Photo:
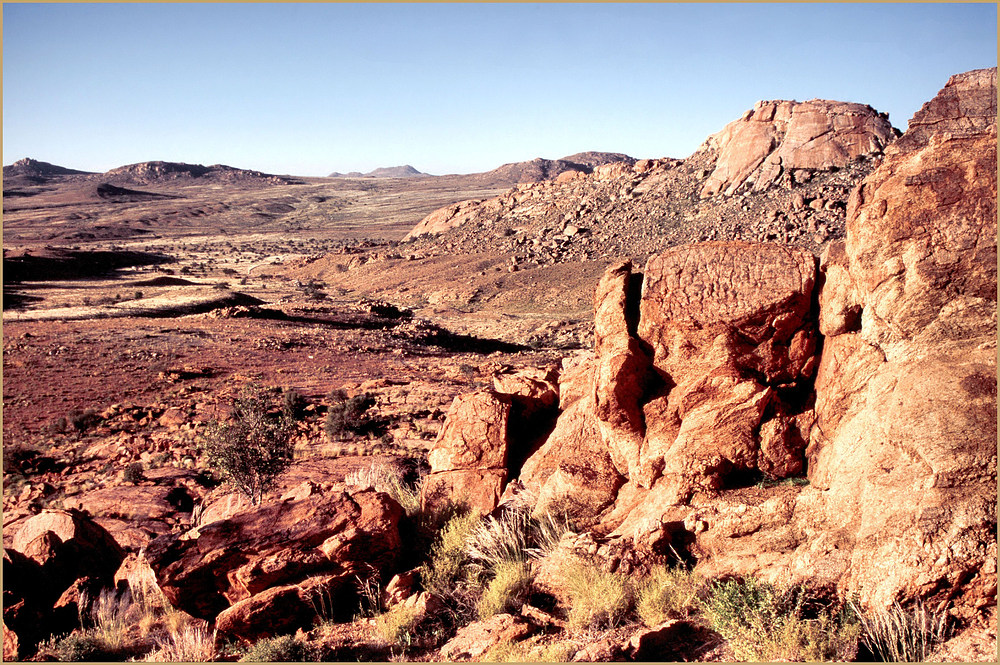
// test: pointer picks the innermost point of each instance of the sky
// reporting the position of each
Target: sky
(307, 89)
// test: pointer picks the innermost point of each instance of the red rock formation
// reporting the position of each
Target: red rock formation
(720, 374)
(779, 137)
(240, 569)
(54, 555)
(469, 458)
(905, 443)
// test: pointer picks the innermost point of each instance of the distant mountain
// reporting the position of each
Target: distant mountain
(405, 171)
(36, 169)
(151, 172)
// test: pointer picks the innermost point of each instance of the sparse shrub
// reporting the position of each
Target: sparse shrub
(598, 599)
(668, 594)
(253, 449)
(763, 622)
(83, 647)
(443, 571)
(79, 421)
(293, 404)
(347, 414)
(282, 649)
(508, 589)
(134, 473)
(396, 627)
(896, 635)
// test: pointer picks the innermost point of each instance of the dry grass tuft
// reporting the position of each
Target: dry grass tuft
(508, 589)
(384, 478)
(669, 593)
(896, 635)
(598, 599)
(191, 644)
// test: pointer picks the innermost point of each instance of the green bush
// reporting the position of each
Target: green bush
(668, 594)
(282, 649)
(133, 473)
(84, 647)
(598, 599)
(253, 449)
(508, 589)
(293, 404)
(347, 414)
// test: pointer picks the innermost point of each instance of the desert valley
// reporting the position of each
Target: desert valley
(734, 406)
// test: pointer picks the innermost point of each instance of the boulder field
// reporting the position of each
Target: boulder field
(867, 378)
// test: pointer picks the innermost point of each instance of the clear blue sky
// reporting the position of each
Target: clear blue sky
(312, 88)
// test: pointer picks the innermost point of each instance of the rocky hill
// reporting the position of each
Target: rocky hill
(783, 171)
(145, 173)
(35, 168)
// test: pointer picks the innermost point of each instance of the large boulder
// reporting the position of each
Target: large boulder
(469, 458)
(733, 342)
(248, 559)
(778, 137)
(68, 546)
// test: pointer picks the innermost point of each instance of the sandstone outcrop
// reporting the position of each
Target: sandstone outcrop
(775, 138)
(488, 432)
(733, 344)
(68, 546)
(905, 447)
(244, 571)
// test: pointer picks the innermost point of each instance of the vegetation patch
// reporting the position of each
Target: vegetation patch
(598, 599)
(254, 448)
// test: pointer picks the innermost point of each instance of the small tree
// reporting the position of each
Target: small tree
(255, 447)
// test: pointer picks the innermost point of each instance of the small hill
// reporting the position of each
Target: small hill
(540, 169)
(110, 192)
(33, 167)
(153, 172)
(404, 171)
